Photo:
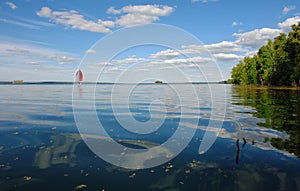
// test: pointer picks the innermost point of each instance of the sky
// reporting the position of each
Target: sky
(49, 40)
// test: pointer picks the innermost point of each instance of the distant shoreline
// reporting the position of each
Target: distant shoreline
(258, 87)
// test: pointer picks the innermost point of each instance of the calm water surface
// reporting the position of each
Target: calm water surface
(256, 149)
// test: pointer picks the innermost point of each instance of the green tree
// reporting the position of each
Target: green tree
(276, 63)
(283, 69)
(293, 49)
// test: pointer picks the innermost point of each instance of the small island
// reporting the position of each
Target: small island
(18, 82)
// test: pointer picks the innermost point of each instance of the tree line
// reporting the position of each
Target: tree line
(277, 63)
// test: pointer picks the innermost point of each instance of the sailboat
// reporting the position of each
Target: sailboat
(79, 77)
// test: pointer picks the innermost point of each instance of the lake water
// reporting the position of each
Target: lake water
(257, 147)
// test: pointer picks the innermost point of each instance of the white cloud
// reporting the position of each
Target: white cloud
(235, 23)
(191, 61)
(140, 14)
(257, 37)
(128, 60)
(221, 47)
(76, 21)
(225, 51)
(127, 16)
(133, 19)
(222, 57)
(60, 58)
(120, 62)
(288, 9)
(90, 51)
(225, 47)
(151, 10)
(11, 5)
(165, 54)
(112, 10)
(286, 25)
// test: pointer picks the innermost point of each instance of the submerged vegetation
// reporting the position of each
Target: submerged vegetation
(277, 63)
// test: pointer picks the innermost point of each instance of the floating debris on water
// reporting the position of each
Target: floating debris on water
(133, 175)
(152, 171)
(193, 165)
(65, 175)
(123, 153)
(27, 178)
(169, 166)
(220, 170)
(80, 186)
(53, 128)
(181, 182)
(16, 133)
(187, 171)
(1, 147)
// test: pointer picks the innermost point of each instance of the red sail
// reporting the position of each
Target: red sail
(79, 76)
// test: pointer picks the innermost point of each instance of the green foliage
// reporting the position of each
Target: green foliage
(277, 63)
(281, 110)
(266, 139)
(278, 143)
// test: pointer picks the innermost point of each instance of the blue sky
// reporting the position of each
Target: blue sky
(46, 40)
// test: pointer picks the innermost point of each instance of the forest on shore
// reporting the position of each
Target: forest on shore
(275, 64)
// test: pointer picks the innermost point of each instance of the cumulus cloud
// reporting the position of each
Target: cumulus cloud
(127, 16)
(221, 47)
(257, 37)
(246, 44)
(165, 54)
(60, 58)
(191, 61)
(76, 21)
(288, 9)
(225, 51)
(286, 25)
(128, 60)
(133, 19)
(151, 10)
(222, 57)
(225, 47)
(140, 14)
(11, 5)
(112, 10)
